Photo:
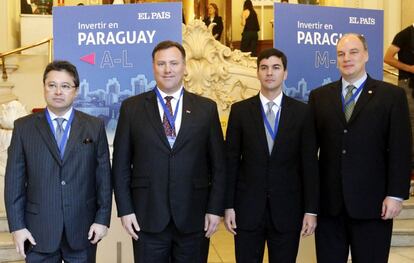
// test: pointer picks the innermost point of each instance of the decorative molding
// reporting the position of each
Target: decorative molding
(215, 71)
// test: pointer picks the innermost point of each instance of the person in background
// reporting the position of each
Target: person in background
(213, 17)
(403, 46)
(364, 139)
(58, 190)
(250, 25)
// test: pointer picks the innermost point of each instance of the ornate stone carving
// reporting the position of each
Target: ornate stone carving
(216, 72)
(8, 113)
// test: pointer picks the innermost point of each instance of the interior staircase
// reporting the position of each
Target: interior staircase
(403, 231)
(7, 250)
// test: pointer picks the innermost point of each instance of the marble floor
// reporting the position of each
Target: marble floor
(222, 250)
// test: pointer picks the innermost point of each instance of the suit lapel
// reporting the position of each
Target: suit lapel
(151, 107)
(285, 117)
(367, 93)
(188, 111)
(336, 99)
(44, 129)
(76, 131)
(258, 122)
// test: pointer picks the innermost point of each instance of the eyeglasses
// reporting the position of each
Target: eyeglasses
(64, 86)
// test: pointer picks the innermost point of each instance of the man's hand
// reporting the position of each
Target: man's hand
(19, 237)
(390, 208)
(211, 223)
(308, 225)
(130, 224)
(97, 232)
(230, 220)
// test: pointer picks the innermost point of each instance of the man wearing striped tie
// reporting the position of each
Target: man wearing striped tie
(364, 139)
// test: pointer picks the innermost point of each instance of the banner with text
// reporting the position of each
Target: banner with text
(308, 36)
(111, 46)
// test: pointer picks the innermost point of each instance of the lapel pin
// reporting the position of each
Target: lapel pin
(187, 111)
(369, 91)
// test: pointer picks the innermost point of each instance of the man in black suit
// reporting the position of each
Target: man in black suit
(168, 165)
(58, 185)
(272, 169)
(364, 138)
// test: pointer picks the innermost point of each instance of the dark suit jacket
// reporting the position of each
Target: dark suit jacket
(362, 161)
(46, 194)
(158, 183)
(218, 28)
(288, 178)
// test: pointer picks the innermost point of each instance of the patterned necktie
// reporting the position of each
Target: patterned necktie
(169, 131)
(59, 130)
(271, 117)
(350, 106)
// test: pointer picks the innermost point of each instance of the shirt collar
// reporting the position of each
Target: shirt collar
(277, 100)
(357, 83)
(176, 94)
(66, 116)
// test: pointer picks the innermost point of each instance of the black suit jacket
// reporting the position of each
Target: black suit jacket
(158, 183)
(48, 195)
(287, 179)
(362, 161)
(218, 28)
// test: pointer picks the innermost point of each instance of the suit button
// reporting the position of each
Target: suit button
(343, 151)
(345, 131)
(63, 183)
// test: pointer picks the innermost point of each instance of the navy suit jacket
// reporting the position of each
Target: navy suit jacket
(367, 158)
(158, 183)
(49, 195)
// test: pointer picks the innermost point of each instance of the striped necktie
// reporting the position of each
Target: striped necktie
(349, 108)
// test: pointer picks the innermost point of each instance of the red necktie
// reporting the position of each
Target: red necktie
(169, 131)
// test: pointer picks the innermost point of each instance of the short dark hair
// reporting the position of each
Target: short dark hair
(168, 44)
(267, 53)
(62, 65)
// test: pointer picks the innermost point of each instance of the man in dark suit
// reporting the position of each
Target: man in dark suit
(364, 138)
(272, 169)
(168, 165)
(58, 185)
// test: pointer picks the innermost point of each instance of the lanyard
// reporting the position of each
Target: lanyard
(63, 142)
(171, 119)
(357, 92)
(272, 132)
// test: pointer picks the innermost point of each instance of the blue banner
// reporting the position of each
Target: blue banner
(308, 35)
(111, 46)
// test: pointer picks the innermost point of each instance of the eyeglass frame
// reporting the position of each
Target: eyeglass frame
(66, 87)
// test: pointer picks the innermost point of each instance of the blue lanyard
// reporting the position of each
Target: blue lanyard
(63, 142)
(357, 92)
(272, 132)
(171, 119)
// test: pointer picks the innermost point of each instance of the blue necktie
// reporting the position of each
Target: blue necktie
(271, 118)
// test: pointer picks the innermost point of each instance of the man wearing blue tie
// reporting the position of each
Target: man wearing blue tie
(272, 190)
(58, 186)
